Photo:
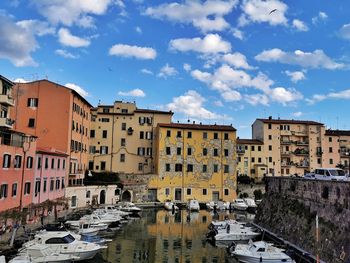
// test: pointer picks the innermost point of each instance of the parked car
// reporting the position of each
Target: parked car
(335, 174)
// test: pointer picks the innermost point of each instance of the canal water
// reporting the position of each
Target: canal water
(160, 236)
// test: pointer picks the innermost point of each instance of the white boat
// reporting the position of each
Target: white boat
(94, 220)
(193, 205)
(239, 204)
(21, 259)
(235, 232)
(112, 209)
(223, 223)
(88, 229)
(168, 205)
(130, 208)
(210, 205)
(250, 203)
(63, 242)
(259, 251)
(219, 205)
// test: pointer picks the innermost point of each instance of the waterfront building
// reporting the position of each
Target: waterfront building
(59, 117)
(336, 152)
(292, 146)
(194, 161)
(17, 153)
(252, 159)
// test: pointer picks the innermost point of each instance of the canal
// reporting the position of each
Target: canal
(160, 236)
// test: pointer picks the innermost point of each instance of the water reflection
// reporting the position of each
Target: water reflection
(160, 236)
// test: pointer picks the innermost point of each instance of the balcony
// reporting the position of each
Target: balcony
(302, 143)
(299, 133)
(240, 151)
(7, 100)
(285, 153)
(6, 122)
(301, 152)
(284, 142)
(286, 164)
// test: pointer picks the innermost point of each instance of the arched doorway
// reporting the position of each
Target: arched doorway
(102, 197)
(126, 196)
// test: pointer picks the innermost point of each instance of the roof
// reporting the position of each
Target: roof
(249, 141)
(54, 83)
(153, 111)
(197, 126)
(7, 80)
(51, 151)
(280, 121)
(337, 133)
(131, 113)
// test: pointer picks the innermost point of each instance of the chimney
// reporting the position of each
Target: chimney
(270, 117)
(194, 122)
(188, 121)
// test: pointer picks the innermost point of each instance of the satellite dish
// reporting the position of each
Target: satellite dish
(90, 174)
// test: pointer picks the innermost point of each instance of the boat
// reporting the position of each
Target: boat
(168, 205)
(21, 259)
(63, 242)
(193, 205)
(234, 232)
(239, 204)
(210, 205)
(130, 208)
(219, 205)
(222, 224)
(94, 221)
(87, 229)
(251, 204)
(259, 251)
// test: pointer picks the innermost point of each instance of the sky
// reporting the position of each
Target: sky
(223, 62)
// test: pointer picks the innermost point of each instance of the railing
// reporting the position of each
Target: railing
(240, 151)
(6, 122)
(6, 99)
(302, 143)
(286, 142)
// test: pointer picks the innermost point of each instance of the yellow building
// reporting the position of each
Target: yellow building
(292, 146)
(122, 138)
(336, 150)
(195, 161)
(252, 159)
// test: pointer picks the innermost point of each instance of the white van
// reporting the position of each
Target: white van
(335, 174)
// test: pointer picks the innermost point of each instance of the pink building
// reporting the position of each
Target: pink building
(50, 173)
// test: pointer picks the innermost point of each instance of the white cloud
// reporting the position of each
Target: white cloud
(256, 99)
(191, 105)
(167, 71)
(237, 33)
(231, 95)
(73, 11)
(322, 16)
(343, 94)
(187, 67)
(316, 98)
(138, 30)
(67, 39)
(218, 103)
(300, 25)
(133, 93)
(206, 16)
(258, 11)
(316, 59)
(237, 60)
(20, 80)
(17, 42)
(146, 71)
(210, 44)
(297, 114)
(295, 76)
(65, 53)
(344, 32)
(78, 89)
(122, 50)
(284, 96)
(37, 27)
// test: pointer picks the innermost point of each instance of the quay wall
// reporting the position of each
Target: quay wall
(289, 209)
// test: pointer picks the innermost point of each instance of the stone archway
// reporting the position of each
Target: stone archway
(126, 196)
(102, 197)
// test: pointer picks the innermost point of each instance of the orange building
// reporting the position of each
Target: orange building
(59, 117)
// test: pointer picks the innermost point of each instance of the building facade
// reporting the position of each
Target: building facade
(122, 138)
(336, 152)
(194, 161)
(292, 146)
(62, 123)
(251, 159)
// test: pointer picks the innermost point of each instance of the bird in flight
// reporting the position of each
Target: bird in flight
(274, 10)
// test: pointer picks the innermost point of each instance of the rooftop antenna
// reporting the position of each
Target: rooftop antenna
(337, 122)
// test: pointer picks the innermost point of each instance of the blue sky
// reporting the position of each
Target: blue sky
(225, 62)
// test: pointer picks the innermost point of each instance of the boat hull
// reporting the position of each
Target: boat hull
(251, 259)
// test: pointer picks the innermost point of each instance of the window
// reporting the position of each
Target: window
(141, 120)
(189, 191)
(52, 163)
(140, 167)
(167, 191)
(52, 184)
(205, 135)
(270, 147)
(45, 185)
(204, 168)
(168, 133)
(205, 151)
(29, 164)
(58, 164)
(149, 151)
(226, 152)
(123, 126)
(259, 160)
(37, 187)
(178, 150)
(103, 149)
(14, 189)
(104, 119)
(103, 165)
(18, 161)
(318, 160)
(330, 149)
(215, 152)
(122, 157)
(39, 162)
(32, 102)
(270, 137)
(178, 167)
(226, 192)
(252, 148)
(74, 201)
(269, 126)
(92, 133)
(330, 139)
(215, 168)
(31, 123)
(88, 194)
(189, 134)
(149, 135)
(167, 167)
(189, 151)
(62, 182)
(178, 134)
(46, 163)
(141, 151)
(189, 167)
(3, 191)
(142, 135)
(167, 150)
(64, 164)
(27, 188)
(104, 134)
(259, 148)
(124, 110)
(226, 168)
(205, 191)
(92, 149)
(216, 136)
(270, 159)
(239, 159)
(6, 162)
(122, 142)
(253, 159)
(330, 161)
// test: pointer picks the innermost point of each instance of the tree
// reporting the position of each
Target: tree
(258, 194)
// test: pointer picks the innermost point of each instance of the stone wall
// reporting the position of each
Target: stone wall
(290, 207)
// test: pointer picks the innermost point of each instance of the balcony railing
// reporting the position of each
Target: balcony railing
(302, 143)
(286, 142)
(240, 151)
(7, 100)
(284, 153)
(6, 122)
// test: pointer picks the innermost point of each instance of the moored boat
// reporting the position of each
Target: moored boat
(193, 205)
(169, 205)
(239, 204)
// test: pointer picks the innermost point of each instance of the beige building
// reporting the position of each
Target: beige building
(122, 138)
(336, 151)
(252, 159)
(292, 146)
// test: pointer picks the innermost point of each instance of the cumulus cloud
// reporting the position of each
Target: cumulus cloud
(256, 99)
(344, 32)
(295, 76)
(67, 39)
(78, 89)
(315, 59)
(20, 80)
(300, 25)
(132, 93)
(343, 94)
(167, 71)
(237, 60)
(237, 33)
(65, 53)
(210, 44)
(191, 105)
(297, 114)
(206, 16)
(218, 103)
(122, 50)
(17, 42)
(138, 30)
(284, 96)
(146, 71)
(322, 16)
(37, 27)
(258, 11)
(187, 67)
